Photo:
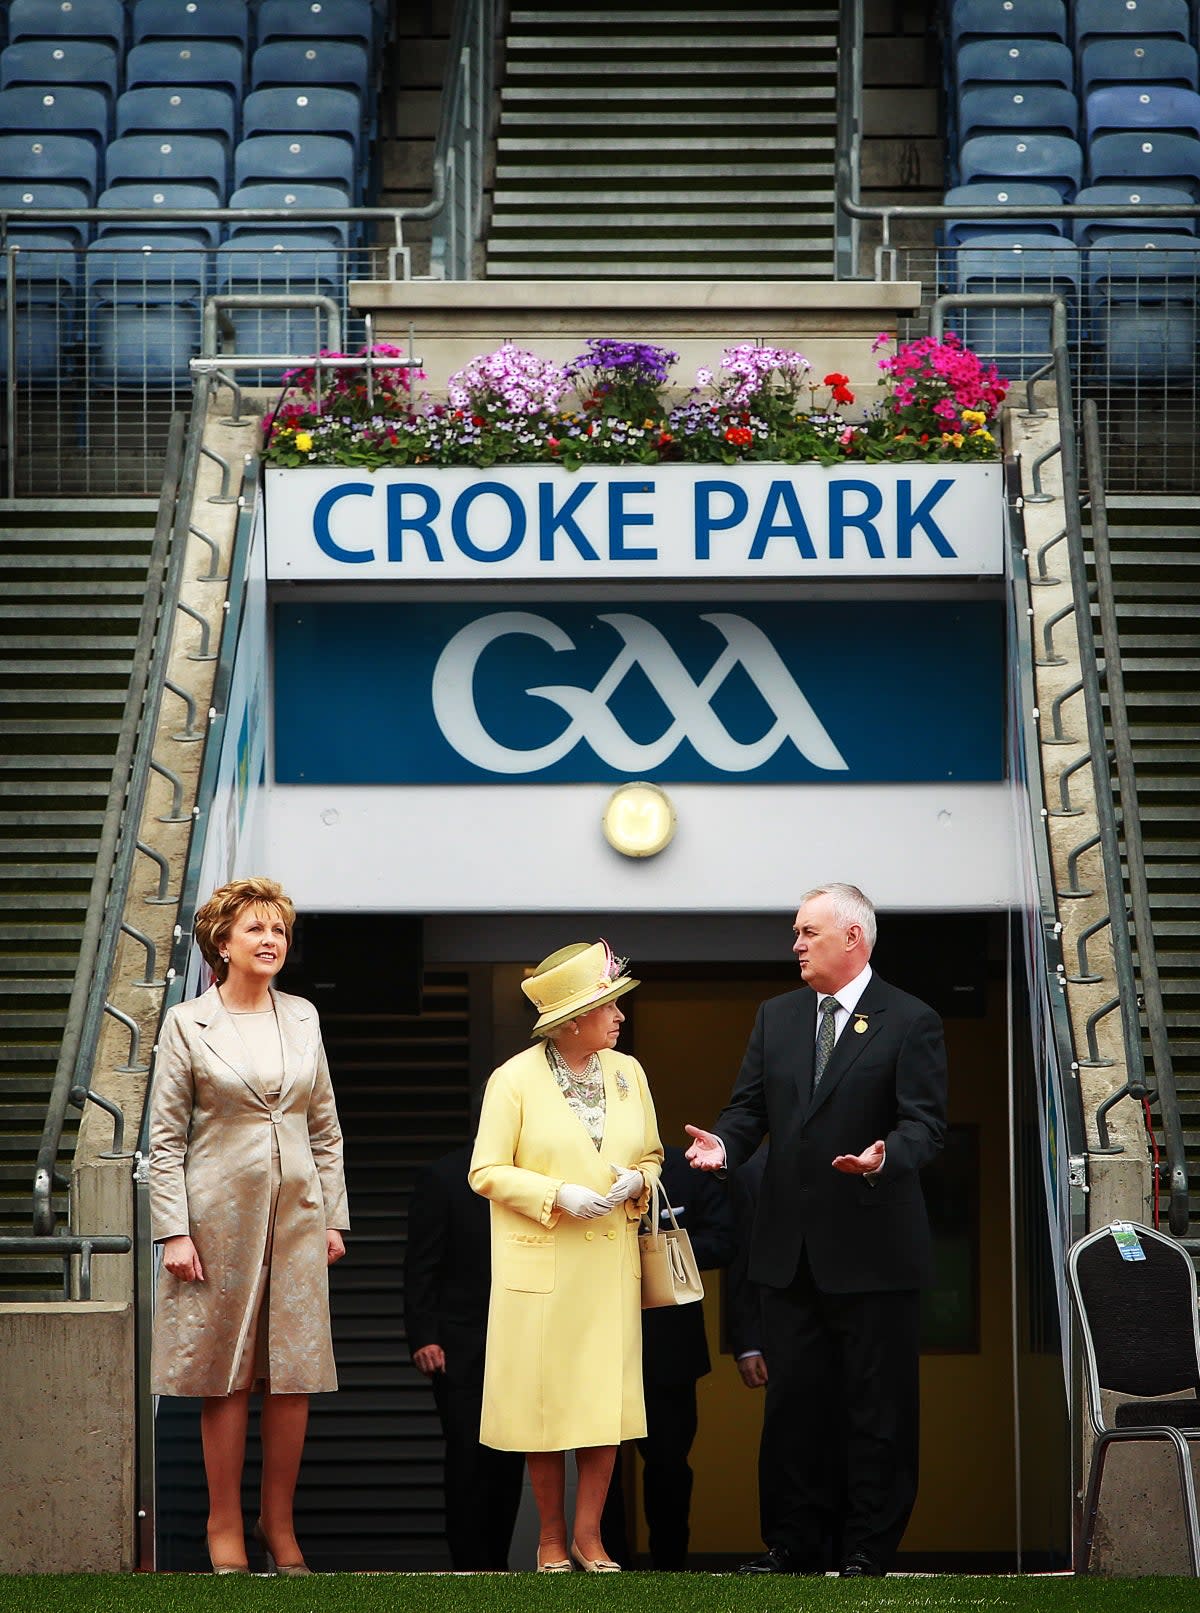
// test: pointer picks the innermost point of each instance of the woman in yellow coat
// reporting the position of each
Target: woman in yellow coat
(567, 1151)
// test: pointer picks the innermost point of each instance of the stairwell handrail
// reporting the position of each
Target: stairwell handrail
(460, 148)
(1131, 828)
(118, 833)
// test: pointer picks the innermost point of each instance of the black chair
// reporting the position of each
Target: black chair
(1138, 1326)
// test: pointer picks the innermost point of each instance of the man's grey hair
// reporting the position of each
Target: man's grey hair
(850, 906)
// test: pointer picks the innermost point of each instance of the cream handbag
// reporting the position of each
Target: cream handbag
(670, 1275)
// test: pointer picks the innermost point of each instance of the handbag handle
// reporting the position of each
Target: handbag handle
(654, 1213)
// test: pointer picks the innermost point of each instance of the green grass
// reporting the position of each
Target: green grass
(631, 1593)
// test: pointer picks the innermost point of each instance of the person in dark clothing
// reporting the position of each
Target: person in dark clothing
(447, 1278)
(674, 1357)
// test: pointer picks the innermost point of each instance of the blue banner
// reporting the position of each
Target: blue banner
(381, 693)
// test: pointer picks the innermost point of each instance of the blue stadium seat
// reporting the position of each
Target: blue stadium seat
(1132, 197)
(1040, 108)
(1172, 159)
(144, 311)
(17, 196)
(287, 263)
(196, 20)
(50, 158)
(161, 61)
(303, 109)
(179, 109)
(44, 303)
(1129, 61)
(63, 109)
(60, 61)
(1029, 19)
(1052, 158)
(1005, 199)
(1142, 106)
(192, 158)
(332, 62)
(321, 158)
(1143, 305)
(151, 196)
(318, 19)
(1021, 61)
(263, 198)
(68, 19)
(1017, 339)
(1098, 18)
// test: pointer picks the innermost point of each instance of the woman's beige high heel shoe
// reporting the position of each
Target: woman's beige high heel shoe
(283, 1570)
(594, 1565)
(561, 1565)
(224, 1568)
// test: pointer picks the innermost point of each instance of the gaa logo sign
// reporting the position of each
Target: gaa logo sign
(588, 717)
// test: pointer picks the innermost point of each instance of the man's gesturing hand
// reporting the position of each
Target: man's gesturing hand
(707, 1152)
(863, 1164)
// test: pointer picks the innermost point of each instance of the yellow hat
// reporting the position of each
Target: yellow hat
(574, 980)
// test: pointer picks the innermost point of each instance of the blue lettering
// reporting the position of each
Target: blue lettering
(706, 522)
(863, 521)
(321, 532)
(516, 515)
(422, 523)
(619, 518)
(551, 520)
(794, 527)
(908, 519)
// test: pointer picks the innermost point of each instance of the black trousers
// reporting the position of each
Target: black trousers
(841, 1425)
(482, 1486)
(666, 1479)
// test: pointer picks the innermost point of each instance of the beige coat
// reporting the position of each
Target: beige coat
(211, 1176)
(564, 1347)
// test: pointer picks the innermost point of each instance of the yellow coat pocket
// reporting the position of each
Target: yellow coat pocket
(528, 1263)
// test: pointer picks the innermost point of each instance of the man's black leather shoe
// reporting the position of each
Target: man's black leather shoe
(861, 1565)
(778, 1560)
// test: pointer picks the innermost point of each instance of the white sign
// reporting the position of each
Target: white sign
(533, 521)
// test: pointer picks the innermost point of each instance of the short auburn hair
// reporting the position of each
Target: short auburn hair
(214, 921)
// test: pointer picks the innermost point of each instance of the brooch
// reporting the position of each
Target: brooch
(860, 1023)
(622, 1085)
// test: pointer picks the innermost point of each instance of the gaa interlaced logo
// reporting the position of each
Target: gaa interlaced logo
(590, 718)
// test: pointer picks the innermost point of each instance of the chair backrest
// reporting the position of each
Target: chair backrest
(319, 157)
(285, 261)
(1132, 197)
(317, 19)
(194, 158)
(273, 197)
(1014, 60)
(1156, 60)
(163, 61)
(1173, 158)
(56, 158)
(1005, 200)
(1127, 265)
(1141, 17)
(153, 195)
(70, 19)
(1027, 257)
(1052, 158)
(1044, 108)
(333, 62)
(60, 61)
(178, 109)
(1031, 19)
(168, 268)
(1142, 106)
(17, 196)
(1137, 1317)
(68, 110)
(303, 109)
(197, 19)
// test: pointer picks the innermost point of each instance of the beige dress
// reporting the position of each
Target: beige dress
(264, 1050)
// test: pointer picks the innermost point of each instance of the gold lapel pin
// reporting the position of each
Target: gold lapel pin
(860, 1023)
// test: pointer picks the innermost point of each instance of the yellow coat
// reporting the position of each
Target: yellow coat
(564, 1347)
(212, 1174)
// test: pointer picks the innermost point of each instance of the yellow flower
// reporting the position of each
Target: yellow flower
(986, 435)
(953, 437)
(304, 442)
(974, 417)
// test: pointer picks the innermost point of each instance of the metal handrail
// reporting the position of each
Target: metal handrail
(460, 148)
(64, 1247)
(118, 835)
(1131, 824)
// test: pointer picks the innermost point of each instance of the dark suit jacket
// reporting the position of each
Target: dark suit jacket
(889, 1081)
(674, 1347)
(743, 1299)
(448, 1266)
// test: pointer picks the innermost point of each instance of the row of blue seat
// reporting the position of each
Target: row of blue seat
(119, 25)
(1153, 59)
(1049, 109)
(154, 197)
(1088, 20)
(1057, 160)
(335, 63)
(1004, 200)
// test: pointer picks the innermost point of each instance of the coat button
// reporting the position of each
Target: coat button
(588, 1236)
(276, 1116)
(611, 1235)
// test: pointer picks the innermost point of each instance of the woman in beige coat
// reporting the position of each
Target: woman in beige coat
(248, 1201)
(567, 1151)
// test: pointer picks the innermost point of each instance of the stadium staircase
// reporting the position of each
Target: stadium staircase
(1155, 544)
(656, 142)
(69, 611)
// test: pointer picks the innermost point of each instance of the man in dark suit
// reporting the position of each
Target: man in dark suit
(848, 1075)
(447, 1279)
(674, 1357)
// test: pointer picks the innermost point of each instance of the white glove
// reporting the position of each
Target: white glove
(581, 1202)
(628, 1184)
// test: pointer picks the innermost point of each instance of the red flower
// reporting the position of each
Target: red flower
(739, 436)
(841, 388)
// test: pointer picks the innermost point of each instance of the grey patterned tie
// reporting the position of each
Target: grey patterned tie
(826, 1037)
